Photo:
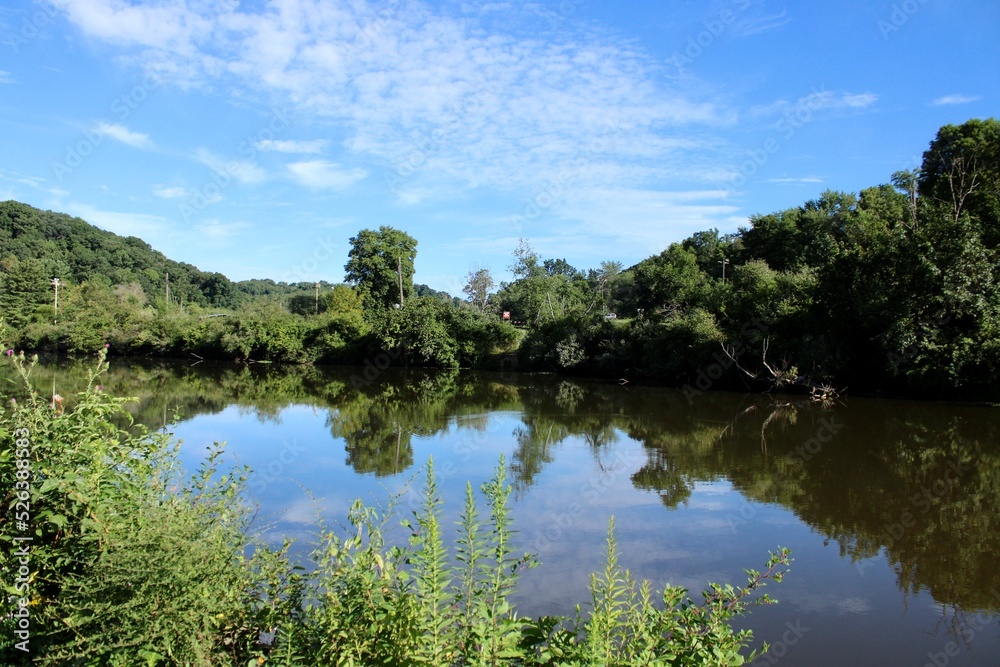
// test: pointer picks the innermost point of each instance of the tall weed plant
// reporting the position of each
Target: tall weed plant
(134, 563)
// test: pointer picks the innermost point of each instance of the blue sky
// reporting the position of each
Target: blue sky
(255, 138)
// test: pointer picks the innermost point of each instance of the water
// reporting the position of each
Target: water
(892, 508)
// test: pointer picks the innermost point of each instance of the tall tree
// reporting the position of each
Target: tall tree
(24, 286)
(961, 171)
(380, 266)
(478, 286)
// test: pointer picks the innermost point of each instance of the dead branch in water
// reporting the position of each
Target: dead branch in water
(783, 376)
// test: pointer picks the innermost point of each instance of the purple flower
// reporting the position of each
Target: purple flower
(107, 345)
(9, 353)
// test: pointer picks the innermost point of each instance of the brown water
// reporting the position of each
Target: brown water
(892, 508)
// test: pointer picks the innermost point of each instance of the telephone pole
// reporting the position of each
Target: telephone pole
(724, 262)
(399, 272)
(55, 305)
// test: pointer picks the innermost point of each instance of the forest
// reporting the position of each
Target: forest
(892, 290)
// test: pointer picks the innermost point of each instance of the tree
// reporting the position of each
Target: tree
(525, 261)
(478, 286)
(24, 286)
(961, 171)
(605, 278)
(380, 266)
(906, 181)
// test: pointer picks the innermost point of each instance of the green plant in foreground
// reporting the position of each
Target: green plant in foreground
(133, 563)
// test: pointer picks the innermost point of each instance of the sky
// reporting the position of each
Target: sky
(256, 138)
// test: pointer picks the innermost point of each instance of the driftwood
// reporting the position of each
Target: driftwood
(782, 377)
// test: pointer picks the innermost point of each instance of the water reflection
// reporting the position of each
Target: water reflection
(917, 482)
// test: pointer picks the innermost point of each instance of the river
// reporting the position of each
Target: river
(891, 508)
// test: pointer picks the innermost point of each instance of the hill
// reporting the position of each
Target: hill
(36, 243)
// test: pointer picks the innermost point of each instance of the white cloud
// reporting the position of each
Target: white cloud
(5, 77)
(756, 24)
(417, 89)
(818, 100)
(126, 136)
(218, 230)
(325, 175)
(33, 181)
(168, 26)
(954, 99)
(171, 193)
(785, 180)
(247, 172)
(860, 101)
(827, 99)
(146, 227)
(293, 146)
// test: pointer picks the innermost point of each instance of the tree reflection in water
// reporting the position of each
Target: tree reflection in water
(917, 481)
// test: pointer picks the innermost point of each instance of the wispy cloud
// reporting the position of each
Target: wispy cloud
(293, 146)
(413, 86)
(755, 24)
(787, 180)
(218, 230)
(5, 77)
(171, 192)
(126, 136)
(147, 227)
(33, 181)
(818, 100)
(954, 99)
(859, 101)
(325, 175)
(247, 172)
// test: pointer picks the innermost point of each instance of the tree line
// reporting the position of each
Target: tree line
(892, 289)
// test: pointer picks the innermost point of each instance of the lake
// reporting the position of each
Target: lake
(891, 508)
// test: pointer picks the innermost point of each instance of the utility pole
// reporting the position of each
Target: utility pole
(724, 262)
(399, 272)
(55, 305)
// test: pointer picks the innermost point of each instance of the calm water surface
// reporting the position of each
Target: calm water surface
(892, 508)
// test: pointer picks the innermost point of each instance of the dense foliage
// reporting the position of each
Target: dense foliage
(893, 289)
(129, 563)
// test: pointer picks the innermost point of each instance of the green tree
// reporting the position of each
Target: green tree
(24, 287)
(380, 266)
(961, 172)
(478, 286)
